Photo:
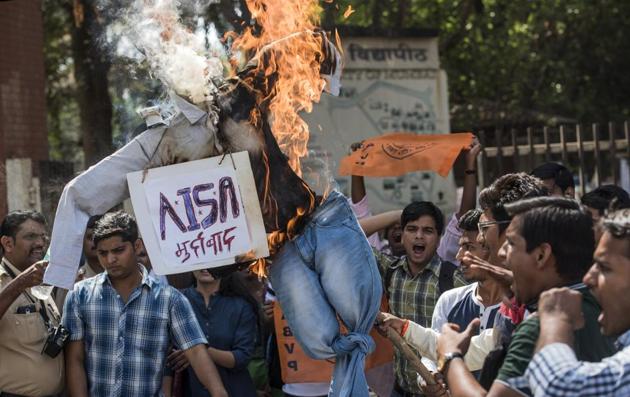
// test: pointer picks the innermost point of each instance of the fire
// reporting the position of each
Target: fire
(288, 51)
(292, 53)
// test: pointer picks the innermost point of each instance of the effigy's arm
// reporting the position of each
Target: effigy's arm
(93, 192)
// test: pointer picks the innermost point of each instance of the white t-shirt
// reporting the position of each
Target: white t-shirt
(460, 306)
(306, 389)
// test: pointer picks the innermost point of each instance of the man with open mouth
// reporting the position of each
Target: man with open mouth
(414, 282)
(555, 369)
(549, 243)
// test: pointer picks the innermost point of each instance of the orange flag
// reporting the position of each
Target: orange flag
(399, 153)
(297, 367)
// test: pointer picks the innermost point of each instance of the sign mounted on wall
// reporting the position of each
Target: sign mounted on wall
(200, 214)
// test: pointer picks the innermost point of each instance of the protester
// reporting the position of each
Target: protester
(228, 315)
(278, 388)
(461, 305)
(448, 246)
(122, 321)
(257, 367)
(555, 369)
(91, 266)
(414, 282)
(549, 243)
(599, 201)
(482, 297)
(143, 258)
(24, 320)
(557, 179)
(361, 208)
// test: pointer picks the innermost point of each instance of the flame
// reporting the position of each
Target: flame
(259, 267)
(349, 11)
(288, 50)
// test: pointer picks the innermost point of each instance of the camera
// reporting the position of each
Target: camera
(56, 340)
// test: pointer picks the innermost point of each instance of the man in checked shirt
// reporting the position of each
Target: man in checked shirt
(122, 321)
(555, 370)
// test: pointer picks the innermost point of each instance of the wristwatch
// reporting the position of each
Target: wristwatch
(446, 359)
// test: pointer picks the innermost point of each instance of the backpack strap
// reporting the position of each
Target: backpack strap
(389, 273)
(446, 281)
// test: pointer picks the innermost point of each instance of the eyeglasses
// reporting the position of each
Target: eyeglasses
(481, 226)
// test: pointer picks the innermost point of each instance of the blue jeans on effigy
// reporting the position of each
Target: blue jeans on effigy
(329, 270)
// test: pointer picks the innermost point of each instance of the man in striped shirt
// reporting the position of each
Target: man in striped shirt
(121, 323)
(555, 370)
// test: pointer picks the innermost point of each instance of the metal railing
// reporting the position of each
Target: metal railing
(592, 152)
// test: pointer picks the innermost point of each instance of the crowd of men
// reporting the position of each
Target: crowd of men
(522, 294)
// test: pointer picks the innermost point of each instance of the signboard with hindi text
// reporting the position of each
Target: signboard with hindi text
(200, 214)
(388, 85)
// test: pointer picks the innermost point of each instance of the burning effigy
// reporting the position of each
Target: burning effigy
(321, 265)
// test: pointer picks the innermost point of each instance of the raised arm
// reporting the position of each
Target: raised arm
(357, 187)
(28, 278)
(469, 195)
(375, 223)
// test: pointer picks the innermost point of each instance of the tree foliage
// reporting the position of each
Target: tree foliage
(521, 61)
(512, 62)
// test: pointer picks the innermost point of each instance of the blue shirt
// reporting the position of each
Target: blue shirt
(229, 323)
(126, 343)
(555, 371)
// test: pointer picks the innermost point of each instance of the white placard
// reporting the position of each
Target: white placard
(199, 214)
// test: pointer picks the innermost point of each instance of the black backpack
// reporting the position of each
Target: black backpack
(445, 281)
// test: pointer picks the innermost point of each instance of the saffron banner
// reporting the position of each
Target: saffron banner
(399, 153)
(297, 367)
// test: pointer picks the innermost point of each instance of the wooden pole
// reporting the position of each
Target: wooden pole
(410, 356)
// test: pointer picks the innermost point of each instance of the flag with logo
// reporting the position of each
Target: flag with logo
(399, 153)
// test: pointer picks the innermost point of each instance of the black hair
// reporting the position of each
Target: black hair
(14, 219)
(469, 221)
(92, 221)
(417, 209)
(117, 223)
(508, 189)
(556, 171)
(235, 284)
(564, 225)
(604, 196)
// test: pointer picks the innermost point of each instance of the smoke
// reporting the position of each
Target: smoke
(184, 59)
(176, 55)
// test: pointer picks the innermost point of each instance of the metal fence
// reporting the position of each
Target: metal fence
(595, 153)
